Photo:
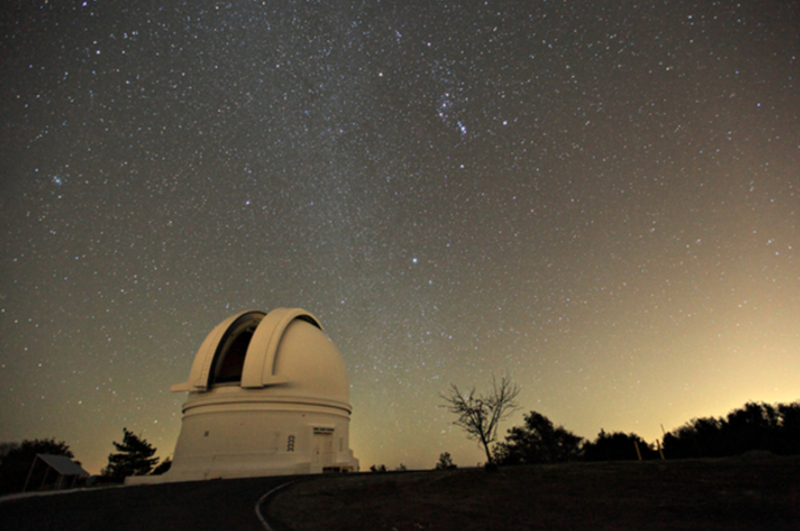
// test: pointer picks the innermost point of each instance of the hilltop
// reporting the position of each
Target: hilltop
(756, 491)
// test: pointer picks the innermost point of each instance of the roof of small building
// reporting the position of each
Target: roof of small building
(63, 465)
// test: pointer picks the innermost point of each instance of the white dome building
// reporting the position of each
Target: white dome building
(268, 395)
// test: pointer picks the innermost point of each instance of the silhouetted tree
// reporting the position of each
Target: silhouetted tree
(162, 467)
(445, 462)
(701, 437)
(18, 458)
(480, 415)
(617, 446)
(134, 457)
(378, 469)
(538, 441)
(6, 447)
(789, 439)
(753, 427)
(681, 443)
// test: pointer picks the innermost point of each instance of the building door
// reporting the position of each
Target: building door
(322, 447)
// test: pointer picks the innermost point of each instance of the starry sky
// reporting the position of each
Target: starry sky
(599, 199)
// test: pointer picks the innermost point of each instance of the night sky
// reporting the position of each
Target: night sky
(600, 199)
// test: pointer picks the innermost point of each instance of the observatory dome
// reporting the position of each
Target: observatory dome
(284, 351)
(268, 395)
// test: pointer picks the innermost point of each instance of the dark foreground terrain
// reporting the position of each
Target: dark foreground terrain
(748, 493)
(754, 492)
(197, 506)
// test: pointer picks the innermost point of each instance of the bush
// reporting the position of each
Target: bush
(617, 446)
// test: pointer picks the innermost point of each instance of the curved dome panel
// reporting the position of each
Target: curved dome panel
(232, 349)
(201, 368)
(259, 367)
(311, 365)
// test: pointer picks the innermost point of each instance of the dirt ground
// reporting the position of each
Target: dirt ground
(753, 492)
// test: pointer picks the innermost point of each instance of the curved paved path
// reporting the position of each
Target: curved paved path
(197, 506)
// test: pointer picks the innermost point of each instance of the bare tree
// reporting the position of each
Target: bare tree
(478, 414)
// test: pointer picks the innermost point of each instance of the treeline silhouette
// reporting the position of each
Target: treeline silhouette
(756, 426)
(753, 427)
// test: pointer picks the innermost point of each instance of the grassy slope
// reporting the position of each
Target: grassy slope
(725, 494)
